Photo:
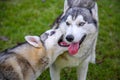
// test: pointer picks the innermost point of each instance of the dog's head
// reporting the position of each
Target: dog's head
(50, 41)
(50, 38)
(76, 24)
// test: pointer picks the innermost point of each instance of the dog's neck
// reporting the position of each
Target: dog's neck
(54, 53)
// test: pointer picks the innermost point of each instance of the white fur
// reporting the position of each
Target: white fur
(78, 31)
(52, 45)
(86, 52)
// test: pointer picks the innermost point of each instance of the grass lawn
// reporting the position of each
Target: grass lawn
(22, 17)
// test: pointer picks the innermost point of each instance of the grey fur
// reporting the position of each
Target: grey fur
(85, 7)
(7, 71)
(81, 3)
(44, 36)
(74, 12)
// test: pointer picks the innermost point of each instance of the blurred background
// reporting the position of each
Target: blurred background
(32, 17)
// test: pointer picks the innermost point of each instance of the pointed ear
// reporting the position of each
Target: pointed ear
(34, 41)
(66, 6)
(95, 12)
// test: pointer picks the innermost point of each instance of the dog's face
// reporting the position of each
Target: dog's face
(51, 38)
(50, 41)
(77, 24)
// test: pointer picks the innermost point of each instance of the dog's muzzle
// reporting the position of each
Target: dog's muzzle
(62, 43)
(73, 47)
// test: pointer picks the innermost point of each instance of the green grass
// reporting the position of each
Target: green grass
(23, 17)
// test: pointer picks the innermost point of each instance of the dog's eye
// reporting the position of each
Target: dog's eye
(53, 32)
(81, 24)
(67, 23)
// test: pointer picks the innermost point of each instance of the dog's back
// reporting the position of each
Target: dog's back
(13, 66)
(20, 62)
(7, 71)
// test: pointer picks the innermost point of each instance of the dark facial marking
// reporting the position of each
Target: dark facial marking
(83, 38)
(67, 23)
(44, 36)
(95, 22)
(76, 11)
(52, 32)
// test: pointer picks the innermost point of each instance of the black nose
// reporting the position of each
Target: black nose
(70, 38)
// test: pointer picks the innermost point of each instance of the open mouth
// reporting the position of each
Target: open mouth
(72, 47)
(63, 43)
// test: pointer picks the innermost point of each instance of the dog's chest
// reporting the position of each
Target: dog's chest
(66, 60)
(73, 62)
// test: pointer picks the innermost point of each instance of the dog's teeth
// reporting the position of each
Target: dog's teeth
(64, 43)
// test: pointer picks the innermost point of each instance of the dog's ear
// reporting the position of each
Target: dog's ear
(94, 11)
(71, 3)
(34, 41)
(66, 5)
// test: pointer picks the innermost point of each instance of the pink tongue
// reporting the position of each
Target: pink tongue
(73, 48)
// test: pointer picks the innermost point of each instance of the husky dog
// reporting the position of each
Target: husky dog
(79, 24)
(28, 60)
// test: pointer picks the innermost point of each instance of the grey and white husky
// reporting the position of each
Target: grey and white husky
(28, 60)
(79, 24)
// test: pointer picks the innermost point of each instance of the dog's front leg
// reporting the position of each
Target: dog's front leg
(82, 70)
(54, 72)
